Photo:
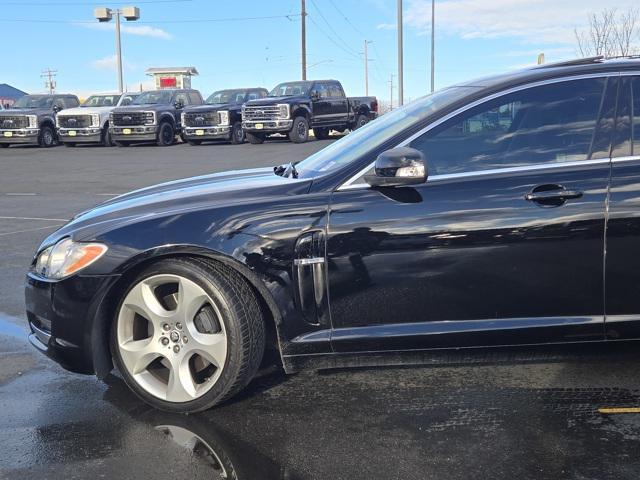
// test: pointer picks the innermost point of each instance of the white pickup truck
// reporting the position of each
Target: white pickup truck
(89, 123)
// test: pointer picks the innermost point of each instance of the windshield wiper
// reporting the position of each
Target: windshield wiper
(288, 170)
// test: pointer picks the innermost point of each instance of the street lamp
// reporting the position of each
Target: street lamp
(105, 15)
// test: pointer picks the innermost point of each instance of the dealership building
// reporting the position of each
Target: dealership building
(9, 94)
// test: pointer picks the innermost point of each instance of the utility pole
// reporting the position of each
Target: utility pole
(433, 45)
(391, 92)
(49, 76)
(119, 53)
(400, 59)
(366, 68)
(303, 14)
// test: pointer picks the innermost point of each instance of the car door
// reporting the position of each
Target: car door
(339, 104)
(321, 104)
(504, 242)
(622, 281)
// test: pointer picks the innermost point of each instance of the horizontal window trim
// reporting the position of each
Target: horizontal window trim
(350, 183)
(498, 171)
(626, 159)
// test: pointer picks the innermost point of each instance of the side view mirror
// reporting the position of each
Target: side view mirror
(399, 167)
(56, 108)
(179, 104)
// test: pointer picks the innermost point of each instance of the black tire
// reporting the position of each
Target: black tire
(361, 121)
(69, 144)
(300, 131)
(107, 141)
(120, 143)
(243, 321)
(47, 137)
(4, 145)
(194, 142)
(321, 133)
(255, 138)
(166, 135)
(237, 134)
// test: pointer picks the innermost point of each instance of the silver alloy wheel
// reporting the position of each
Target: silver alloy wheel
(171, 338)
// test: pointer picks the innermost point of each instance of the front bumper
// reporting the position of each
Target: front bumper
(267, 126)
(140, 133)
(61, 317)
(80, 135)
(21, 135)
(207, 133)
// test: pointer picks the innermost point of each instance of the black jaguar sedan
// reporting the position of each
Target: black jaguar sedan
(497, 213)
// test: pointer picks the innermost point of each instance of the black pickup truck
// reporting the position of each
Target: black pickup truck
(220, 117)
(293, 107)
(154, 116)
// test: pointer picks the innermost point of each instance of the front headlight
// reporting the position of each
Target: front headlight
(33, 121)
(67, 257)
(224, 117)
(150, 118)
(182, 117)
(283, 110)
(95, 120)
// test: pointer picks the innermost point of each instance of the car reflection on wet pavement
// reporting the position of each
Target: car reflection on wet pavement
(526, 420)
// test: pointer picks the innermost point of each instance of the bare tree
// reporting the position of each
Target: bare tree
(610, 34)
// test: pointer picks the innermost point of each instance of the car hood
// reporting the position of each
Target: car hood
(211, 107)
(22, 111)
(180, 196)
(276, 100)
(85, 110)
(143, 108)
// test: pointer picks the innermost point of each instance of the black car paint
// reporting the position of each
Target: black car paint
(402, 273)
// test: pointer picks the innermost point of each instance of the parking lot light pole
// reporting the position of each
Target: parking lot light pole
(103, 15)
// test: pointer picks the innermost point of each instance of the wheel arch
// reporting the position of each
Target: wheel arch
(105, 313)
(301, 111)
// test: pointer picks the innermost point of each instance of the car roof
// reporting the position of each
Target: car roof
(583, 66)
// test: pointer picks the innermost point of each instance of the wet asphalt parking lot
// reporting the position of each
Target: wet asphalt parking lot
(496, 418)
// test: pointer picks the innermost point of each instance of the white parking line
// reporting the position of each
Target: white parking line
(36, 218)
(30, 230)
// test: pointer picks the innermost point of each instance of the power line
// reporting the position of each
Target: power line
(332, 29)
(347, 19)
(331, 39)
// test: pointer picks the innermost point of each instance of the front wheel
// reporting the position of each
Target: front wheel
(237, 133)
(47, 137)
(166, 135)
(321, 133)
(255, 138)
(188, 334)
(300, 131)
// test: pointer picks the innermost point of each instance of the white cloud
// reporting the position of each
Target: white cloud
(110, 63)
(386, 26)
(139, 30)
(532, 21)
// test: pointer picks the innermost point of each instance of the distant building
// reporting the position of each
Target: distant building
(172, 77)
(9, 94)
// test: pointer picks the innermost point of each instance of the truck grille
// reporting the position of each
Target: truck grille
(260, 113)
(14, 121)
(74, 121)
(207, 119)
(130, 118)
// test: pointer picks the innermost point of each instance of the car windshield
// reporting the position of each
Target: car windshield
(290, 88)
(101, 101)
(348, 149)
(155, 97)
(227, 96)
(34, 101)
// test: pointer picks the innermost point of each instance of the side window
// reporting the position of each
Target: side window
(322, 90)
(545, 124)
(635, 124)
(72, 102)
(336, 91)
(252, 95)
(59, 102)
(182, 97)
(195, 98)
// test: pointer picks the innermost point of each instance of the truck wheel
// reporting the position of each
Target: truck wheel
(122, 144)
(237, 134)
(321, 133)
(361, 121)
(107, 141)
(255, 138)
(300, 131)
(166, 135)
(47, 137)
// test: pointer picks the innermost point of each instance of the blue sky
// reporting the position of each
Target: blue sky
(473, 38)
